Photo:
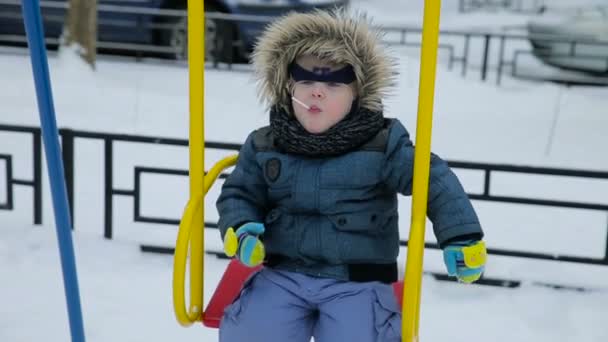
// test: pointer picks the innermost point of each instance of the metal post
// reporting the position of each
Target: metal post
(107, 189)
(37, 162)
(67, 146)
(422, 162)
(216, 43)
(229, 43)
(35, 37)
(136, 192)
(486, 51)
(465, 56)
(514, 64)
(191, 234)
(486, 185)
(500, 59)
(9, 184)
(451, 57)
(606, 248)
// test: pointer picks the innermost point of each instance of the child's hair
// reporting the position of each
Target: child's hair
(337, 37)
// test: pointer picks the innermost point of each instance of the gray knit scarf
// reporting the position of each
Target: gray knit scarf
(358, 127)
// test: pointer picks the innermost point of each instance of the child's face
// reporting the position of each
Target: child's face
(329, 102)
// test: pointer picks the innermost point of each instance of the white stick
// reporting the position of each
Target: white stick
(300, 103)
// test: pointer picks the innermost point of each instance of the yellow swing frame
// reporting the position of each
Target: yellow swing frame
(191, 229)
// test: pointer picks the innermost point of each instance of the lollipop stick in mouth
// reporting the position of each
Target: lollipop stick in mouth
(300, 103)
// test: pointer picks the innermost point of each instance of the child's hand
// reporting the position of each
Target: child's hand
(466, 260)
(245, 244)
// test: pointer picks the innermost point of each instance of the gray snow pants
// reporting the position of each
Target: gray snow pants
(281, 306)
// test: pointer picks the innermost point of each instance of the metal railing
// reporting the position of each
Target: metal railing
(511, 47)
(68, 138)
(547, 43)
(490, 169)
(36, 182)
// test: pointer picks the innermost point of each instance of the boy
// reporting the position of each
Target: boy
(314, 195)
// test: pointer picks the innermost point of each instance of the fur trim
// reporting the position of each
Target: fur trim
(334, 36)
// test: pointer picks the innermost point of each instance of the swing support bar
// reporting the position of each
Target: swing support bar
(50, 136)
(422, 163)
(192, 227)
(190, 237)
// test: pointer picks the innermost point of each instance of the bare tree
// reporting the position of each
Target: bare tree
(81, 28)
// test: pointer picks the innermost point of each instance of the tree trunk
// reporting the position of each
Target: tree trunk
(81, 28)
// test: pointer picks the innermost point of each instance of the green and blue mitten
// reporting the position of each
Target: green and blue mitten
(465, 260)
(245, 245)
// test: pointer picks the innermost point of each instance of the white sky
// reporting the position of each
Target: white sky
(126, 295)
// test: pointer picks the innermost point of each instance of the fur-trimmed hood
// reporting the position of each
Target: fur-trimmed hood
(338, 37)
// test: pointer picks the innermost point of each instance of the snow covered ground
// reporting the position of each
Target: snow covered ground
(126, 294)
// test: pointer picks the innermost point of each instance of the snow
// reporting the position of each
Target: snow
(126, 294)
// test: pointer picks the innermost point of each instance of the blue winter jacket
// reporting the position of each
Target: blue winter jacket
(337, 216)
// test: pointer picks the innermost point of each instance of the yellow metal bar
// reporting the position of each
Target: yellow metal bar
(217, 169)
(196, 66)
(184, 317)
(187, 223)
(422, 160)
(191, 228)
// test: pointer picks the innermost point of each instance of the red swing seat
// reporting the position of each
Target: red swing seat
(230, 286)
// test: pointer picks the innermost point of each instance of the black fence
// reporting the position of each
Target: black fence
(157, 32)
(68, 139)
(109, 140)
(500, 54)
(36, 182)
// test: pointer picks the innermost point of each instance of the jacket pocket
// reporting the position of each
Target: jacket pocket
(364, 222)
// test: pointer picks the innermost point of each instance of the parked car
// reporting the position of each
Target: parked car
(122, 23)
(575, 41)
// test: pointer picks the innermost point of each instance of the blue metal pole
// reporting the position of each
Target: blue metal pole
(50, 136)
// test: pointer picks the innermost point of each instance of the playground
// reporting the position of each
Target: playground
(126, 295)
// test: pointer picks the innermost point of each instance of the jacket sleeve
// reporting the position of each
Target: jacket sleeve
(449, 207)
(244, 194)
